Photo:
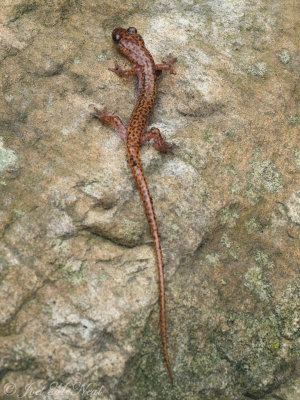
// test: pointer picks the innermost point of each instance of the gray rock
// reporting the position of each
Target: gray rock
(79, 316)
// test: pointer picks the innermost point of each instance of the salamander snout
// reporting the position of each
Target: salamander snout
(128, 42)
(119, 33)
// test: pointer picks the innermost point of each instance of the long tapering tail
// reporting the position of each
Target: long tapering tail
(137, 171)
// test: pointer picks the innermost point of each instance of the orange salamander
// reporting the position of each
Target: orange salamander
(131, 44)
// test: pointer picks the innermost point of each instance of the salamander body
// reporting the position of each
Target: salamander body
(131, 44)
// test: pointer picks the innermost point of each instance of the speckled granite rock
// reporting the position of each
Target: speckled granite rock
(79, 316)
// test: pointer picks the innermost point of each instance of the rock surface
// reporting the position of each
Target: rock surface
(79, 316)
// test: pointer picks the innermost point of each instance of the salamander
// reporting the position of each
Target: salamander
(132, 45)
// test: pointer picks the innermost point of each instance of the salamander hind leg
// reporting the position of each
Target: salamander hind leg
(108, 117)
(159, 142)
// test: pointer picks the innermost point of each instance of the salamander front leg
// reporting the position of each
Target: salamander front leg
(167, 61)
(110, 118)
(121, 71)
(159, 143)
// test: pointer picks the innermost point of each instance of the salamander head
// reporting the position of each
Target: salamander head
(129, 43)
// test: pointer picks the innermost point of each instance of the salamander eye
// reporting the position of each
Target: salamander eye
(116, 37)
(132, 30)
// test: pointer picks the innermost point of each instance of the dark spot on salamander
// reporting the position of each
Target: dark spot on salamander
(157, 72)
(134, 162)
